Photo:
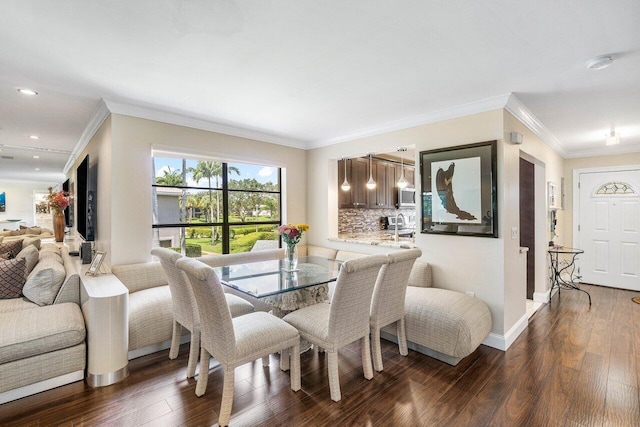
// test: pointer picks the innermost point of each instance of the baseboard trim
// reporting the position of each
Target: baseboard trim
(503, 342)
(542, 297)
(28, 390)
(154, 348)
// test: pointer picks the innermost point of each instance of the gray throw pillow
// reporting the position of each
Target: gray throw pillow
(51, 255)
(35, 241)
(44, 282)
(31, 255)
(12, 275)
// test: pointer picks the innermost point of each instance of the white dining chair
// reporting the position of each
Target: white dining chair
(234, 342)
(387, 302)
(185, 310)
(345, 320)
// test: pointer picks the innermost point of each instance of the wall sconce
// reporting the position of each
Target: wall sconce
(345, 185)
(371, 184)
(402, 182)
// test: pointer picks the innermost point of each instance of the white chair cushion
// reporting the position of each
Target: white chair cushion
(259, 330)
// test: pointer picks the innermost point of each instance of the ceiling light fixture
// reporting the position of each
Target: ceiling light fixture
(37, 169)
(36, 157)
(371, 184)
(34, 137)
(345, 185)
(599, 62)
(613, 138)
(26, 91)
(402, 182)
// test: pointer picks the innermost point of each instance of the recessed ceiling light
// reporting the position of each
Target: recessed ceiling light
(29, 92)
(37, 169)
(613, 138)
(34, 137)
(36, 157)
(599, 62)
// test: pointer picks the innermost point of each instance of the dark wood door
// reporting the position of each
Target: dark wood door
(527, 220)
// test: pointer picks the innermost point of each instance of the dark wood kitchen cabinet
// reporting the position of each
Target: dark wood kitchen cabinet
(382, 197)
(357, 176)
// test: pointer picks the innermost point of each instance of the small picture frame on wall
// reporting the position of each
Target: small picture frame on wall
(96, 263)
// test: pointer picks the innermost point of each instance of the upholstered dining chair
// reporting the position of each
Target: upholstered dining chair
(234, 342)
(185, 310)
(387, 303)
(346, 319)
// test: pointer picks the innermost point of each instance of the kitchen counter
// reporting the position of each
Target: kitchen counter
(376, 238)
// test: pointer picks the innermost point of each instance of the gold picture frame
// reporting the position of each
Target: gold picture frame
(96, 263)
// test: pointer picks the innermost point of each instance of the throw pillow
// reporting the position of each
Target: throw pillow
(50, 247)
(44, 282)
(35, 241)
(51, 255)
(12, 247)
(12, 275)
(34, 230)
(1, 239)
(31, 255)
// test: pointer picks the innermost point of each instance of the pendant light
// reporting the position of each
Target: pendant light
(402, 182)
(371, 184)
(345, 185)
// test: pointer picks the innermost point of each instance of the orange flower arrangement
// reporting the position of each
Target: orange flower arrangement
(58, 200)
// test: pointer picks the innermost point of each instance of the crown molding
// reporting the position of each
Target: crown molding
(480, 106)
(97, 118)
(522, 113)
(178, 119)
(604, 151)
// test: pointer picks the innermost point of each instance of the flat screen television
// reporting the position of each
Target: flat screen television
(85, 201)
(68, 211)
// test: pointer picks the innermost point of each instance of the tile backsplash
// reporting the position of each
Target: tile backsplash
(365, 220)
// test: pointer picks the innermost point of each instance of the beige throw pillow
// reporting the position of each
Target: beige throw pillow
(44, 282)
(35, 241)
(31, 255)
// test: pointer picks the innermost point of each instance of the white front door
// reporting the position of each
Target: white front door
(609, 228)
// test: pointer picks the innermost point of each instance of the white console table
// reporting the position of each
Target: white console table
(105, 305)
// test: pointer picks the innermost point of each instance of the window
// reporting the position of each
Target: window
(615, 187)
(205, 207)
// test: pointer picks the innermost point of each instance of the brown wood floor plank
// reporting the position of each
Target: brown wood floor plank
(575, 365)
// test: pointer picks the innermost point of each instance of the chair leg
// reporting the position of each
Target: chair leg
(366, 357)
(194, 351)
(284, 359)
(265, 361)
(227, 397)
(334, 375)
(402, 338)
(376, 349)
(203, 375)
(295, 368)
(175, 340)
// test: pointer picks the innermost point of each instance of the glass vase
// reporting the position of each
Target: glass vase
(290, 258)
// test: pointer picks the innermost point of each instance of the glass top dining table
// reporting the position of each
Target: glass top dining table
(267, 278)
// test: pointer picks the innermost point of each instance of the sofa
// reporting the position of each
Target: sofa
(42, 330)
(25, 232)
(440, 323)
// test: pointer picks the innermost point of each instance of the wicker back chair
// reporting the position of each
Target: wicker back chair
(234, 342)
(346, 319)
(387, 303)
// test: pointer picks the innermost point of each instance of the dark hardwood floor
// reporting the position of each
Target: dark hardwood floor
(573, 366)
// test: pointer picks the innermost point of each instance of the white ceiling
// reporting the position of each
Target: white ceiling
(316, 72)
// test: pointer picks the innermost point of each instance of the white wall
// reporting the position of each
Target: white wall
(20, 201)
(515, 263)
(130, 201)
(459, 263)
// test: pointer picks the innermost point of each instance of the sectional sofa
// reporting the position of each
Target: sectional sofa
(42, 334)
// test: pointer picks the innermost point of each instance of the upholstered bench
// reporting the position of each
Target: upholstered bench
(444, 324)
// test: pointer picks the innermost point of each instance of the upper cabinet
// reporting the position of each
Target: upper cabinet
(386, 175)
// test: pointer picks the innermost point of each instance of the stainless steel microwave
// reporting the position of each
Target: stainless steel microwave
(406, 197)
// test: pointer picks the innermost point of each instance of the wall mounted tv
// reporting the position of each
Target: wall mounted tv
(85, 199)
(68, 211)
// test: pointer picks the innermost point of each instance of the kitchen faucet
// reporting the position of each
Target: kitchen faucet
(396, 221)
